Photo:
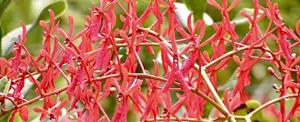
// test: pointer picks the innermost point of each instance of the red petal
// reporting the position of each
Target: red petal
(176, 106)
(40, 110)
(44, 25)
(76, 98)
(12, 116)
(242, 81)
(62, 32)
(215, 4)
(102, 57)
(200, 25)
(71, 69)
(298, 74)
(52, 18)
(170, 81)
(71, 25)
(158, 15)
(125, 81)
(156, 67)
(189, 63)
(233, 4)
(237, 60)
(226, 99)
(189, 24)
(135, 85)
(144, 16)
(298, 27)
(23, 112)
(108, 84)
(24, 33)
(184, 83)
(164, 58)
(62, 104)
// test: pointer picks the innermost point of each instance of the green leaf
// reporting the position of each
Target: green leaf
(249, 106)
(7, 41)
(197, 7)
(184, 13)
(252, 104)
(5, 118)
(58, 7)
(1, 33)
(3, 6)
(4, 85)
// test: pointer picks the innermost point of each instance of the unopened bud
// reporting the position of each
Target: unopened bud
(294, 55)
(120, 97)
(276, 87)
(268, 55)
(112, 89)
(271, 71)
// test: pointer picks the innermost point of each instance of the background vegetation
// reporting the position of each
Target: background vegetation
(30, 11)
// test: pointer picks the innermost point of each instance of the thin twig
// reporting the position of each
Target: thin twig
(215, 94)
(140, 75)
(270, 103)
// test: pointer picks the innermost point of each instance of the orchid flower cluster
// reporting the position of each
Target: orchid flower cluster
(183, 80)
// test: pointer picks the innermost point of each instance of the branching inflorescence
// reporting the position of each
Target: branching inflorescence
(94, 70)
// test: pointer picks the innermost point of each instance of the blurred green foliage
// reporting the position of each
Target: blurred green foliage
(29, 10)
(197, 7)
